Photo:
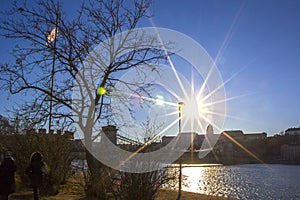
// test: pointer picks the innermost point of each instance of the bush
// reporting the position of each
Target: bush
(56, 149)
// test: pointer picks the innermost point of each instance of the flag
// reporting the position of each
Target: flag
(51, 36)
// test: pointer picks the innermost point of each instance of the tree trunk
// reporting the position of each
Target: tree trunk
(99, 179)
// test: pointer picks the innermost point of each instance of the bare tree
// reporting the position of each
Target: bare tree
(5, 126)
(46, 65)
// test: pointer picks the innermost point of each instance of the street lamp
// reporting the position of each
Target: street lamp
(180, 104)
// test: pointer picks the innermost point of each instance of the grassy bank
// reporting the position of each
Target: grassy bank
(163, 195)
(73, 190)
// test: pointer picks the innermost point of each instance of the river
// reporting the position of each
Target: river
(255, 181)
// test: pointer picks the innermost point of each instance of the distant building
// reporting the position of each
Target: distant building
(238, 135)
(196, 139)
(228, 141)
(290, 152)
(232, 145)
(235, 134)
(292, 131)
(209, 130)
(251, 137)
(167, 139)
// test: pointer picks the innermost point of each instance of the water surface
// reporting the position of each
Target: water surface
(244, 181)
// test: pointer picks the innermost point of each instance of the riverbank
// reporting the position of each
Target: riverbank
(73, 190)
(172, 194)
(254, 181)
(162, 195)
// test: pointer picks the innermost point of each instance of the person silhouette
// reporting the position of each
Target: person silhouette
(7, 176)
(35, 171)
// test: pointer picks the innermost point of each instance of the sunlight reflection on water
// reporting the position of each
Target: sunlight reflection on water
(244, 181)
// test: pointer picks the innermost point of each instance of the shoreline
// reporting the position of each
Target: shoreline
(163, 194)
(168, 194)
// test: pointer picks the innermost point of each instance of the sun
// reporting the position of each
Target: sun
(192, 109)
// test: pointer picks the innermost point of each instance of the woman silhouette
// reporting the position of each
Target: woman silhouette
(7, 176)
(35, 171)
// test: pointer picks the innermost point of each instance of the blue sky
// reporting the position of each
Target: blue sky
(257, 42)
(259, 39)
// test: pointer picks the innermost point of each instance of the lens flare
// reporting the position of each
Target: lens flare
(101, 91)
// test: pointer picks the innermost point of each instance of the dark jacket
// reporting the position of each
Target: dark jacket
(35, 171)
(7, 176)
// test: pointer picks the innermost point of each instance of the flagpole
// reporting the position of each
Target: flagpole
(52, 75)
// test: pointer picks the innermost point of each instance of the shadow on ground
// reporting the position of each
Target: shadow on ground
(27, 196)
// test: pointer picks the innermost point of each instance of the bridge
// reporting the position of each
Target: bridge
(119, 139)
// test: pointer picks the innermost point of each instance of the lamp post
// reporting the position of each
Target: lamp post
(180, 104)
